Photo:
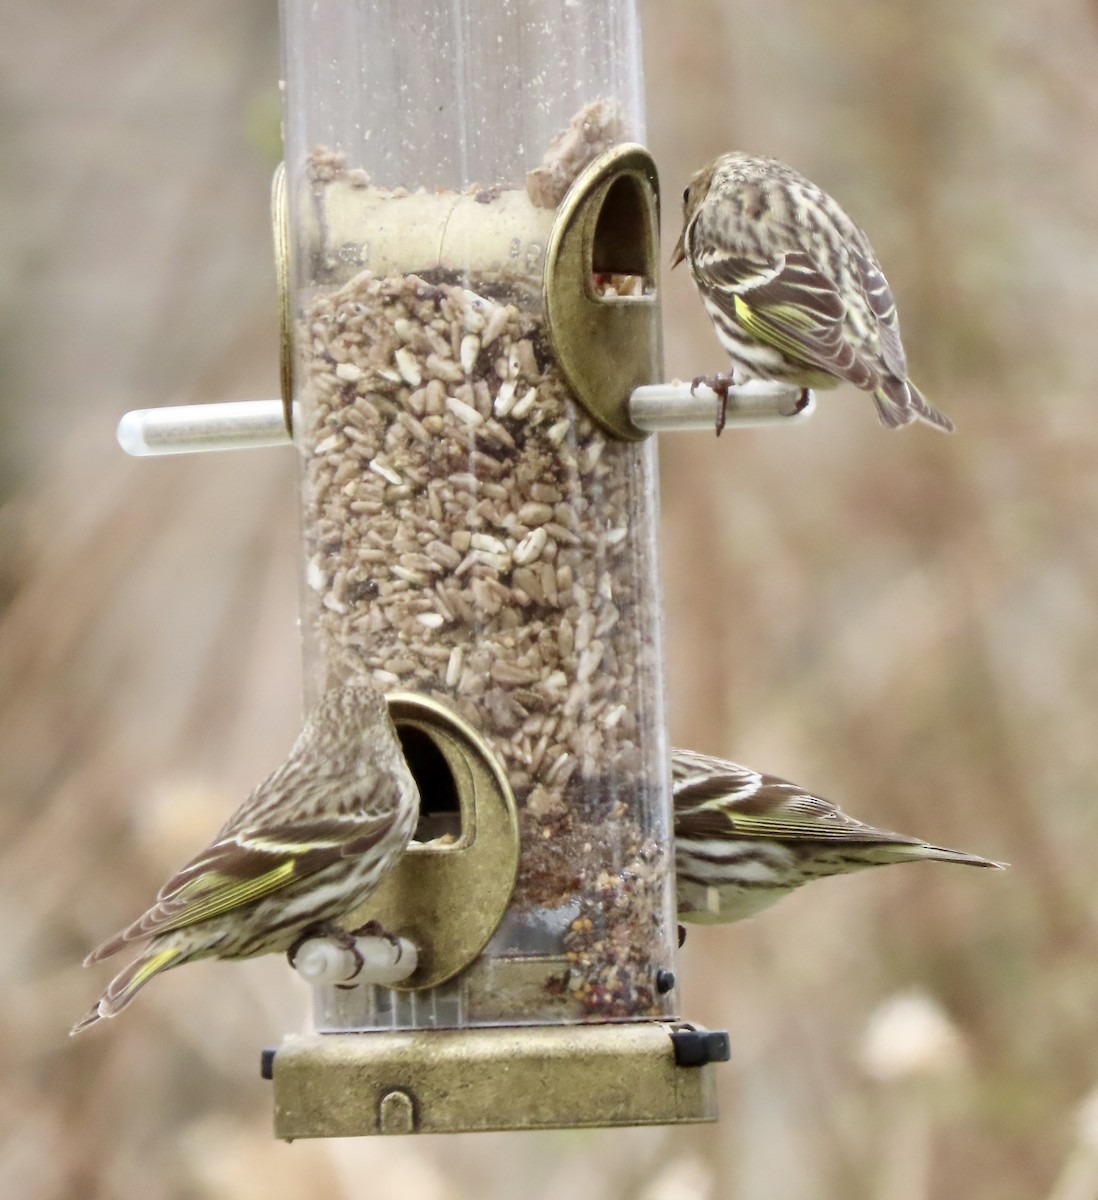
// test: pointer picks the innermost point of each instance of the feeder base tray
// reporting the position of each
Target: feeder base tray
(469, 1080)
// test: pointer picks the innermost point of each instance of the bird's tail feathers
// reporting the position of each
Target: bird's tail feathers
(916, 851)
(129, 981)
(927, 412)
(899, 402)
(893, 408)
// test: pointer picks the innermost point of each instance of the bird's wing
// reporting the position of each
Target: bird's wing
(787, 303)
(239, 870)
(718, 799)
(782, 811)
(696, 778)
(778, 810)
(879, 297)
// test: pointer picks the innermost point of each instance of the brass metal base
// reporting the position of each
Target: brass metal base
(469, 1080)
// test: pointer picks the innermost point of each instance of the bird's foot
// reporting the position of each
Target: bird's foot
(719, 384)
(374, 928)
(339, 935)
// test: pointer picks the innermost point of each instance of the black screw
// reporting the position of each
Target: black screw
(665, 981)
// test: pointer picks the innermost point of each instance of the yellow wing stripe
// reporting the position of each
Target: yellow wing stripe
(227, 892)
(793, 315)
(759, 327)
(816, 829)
(156, 962)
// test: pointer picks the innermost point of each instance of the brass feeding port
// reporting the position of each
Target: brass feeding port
(451, 889)
(479, 528)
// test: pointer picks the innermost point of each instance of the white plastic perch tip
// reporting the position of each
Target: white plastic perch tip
(661, 407)
(192, 428)
(322, 960)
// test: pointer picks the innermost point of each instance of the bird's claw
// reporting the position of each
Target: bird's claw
(719, 384)
(374, 928)
(339, 935)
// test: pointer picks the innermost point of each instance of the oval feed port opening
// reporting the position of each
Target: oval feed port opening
(621, 266)
(440, 803)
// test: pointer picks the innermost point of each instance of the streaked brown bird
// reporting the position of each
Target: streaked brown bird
(306, 848)
(793, 287)
(743, 840)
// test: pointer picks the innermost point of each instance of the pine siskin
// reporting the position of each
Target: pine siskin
(793, 287)
(745, 840)
(307, 846)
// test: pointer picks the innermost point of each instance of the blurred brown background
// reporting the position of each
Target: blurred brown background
(903, 622)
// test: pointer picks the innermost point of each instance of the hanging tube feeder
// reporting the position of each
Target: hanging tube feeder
(466, 231)
(479, 528)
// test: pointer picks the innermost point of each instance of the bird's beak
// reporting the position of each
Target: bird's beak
(679, 253)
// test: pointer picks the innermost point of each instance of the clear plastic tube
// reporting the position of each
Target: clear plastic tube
(441, 94)
(470, 534)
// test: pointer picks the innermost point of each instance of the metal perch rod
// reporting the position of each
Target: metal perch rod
(243, 424)
(665, 407)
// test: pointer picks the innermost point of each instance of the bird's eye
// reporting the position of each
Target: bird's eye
(685, 194)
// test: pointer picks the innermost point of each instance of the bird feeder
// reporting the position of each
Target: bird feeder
(471, 235)
(467, 234)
